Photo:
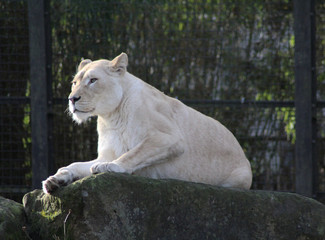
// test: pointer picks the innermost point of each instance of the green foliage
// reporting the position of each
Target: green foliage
(189, 49)
(15, 139)
(194, 49)
(226, 50)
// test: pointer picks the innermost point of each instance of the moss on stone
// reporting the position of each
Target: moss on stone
(120, 206)
(12, 220)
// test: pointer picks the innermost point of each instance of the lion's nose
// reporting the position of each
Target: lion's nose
(74, 99)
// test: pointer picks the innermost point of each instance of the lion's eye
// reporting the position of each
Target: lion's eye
(74, 83)
(92, 80)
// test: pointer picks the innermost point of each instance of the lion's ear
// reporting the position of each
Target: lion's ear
(119, 63)
(83, 63)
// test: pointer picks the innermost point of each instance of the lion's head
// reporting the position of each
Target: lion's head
(96, 88)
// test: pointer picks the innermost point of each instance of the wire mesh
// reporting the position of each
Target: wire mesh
(321, 149)
(215, 50)
(73, 142)
(320, 67)
(15, 139)
(189, 49)
(239, 51)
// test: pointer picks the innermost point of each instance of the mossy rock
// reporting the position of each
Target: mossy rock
(12, 220)
(119, 206)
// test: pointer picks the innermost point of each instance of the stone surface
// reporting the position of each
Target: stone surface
(119, 206)
(12, 220)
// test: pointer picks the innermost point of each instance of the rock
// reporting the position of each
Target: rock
(12, 220)
(119, 206)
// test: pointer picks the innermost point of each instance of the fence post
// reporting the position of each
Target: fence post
(40, 77)
(305, 96)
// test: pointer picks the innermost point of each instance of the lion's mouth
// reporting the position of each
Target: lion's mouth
(80, 111)
(74, 110)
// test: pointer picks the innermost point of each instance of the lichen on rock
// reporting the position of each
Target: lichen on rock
(120, 206)
(12, 220)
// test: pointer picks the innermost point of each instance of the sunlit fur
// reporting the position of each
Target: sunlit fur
(144, 132)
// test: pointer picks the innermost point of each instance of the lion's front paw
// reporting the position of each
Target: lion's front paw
(107, 167)
(61, 178)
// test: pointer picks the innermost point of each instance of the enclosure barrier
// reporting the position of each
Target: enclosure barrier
(40, 100)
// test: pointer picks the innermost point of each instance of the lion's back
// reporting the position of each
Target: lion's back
(211, 151)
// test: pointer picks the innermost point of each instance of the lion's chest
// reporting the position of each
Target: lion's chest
(114, 143)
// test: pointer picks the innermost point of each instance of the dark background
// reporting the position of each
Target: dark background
(232, 60)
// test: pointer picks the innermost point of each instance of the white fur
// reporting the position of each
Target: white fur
(144, 132)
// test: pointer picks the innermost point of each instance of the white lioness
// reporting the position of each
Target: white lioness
(144, 132)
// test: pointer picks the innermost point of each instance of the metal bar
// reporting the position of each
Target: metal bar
(241, 103)
(228, 103)
(39, 94)
(305, 96)
(14, 100)
(48, 49)
(15, 189)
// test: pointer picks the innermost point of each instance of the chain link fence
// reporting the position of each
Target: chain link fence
(232, 60)
(15, 143)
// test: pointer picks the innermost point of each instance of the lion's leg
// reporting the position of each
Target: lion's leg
(151, 151)
(240, 177)
(67, 175)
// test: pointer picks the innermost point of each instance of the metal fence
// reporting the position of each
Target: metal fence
(237, 61)
(15, 132)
